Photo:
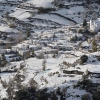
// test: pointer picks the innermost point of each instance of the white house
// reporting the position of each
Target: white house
(95, 24)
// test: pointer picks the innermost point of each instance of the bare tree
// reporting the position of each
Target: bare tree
(44, 64)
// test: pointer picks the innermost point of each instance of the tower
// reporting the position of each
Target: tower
(91, 24)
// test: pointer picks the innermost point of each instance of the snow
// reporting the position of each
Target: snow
(85, 44)
(21, 14)
(54, 18)
(73, 11)
(41, 3)
(76, 9)
(7, 29)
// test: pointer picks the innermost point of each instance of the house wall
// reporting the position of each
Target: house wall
(94, 25)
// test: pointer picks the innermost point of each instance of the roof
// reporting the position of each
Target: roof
(84, 44)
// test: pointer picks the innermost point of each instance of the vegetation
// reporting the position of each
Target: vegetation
(45, 10)
(83, 59)
(3, 61)
(11, 25)
(27, 34)
(31, 93)
(86, 97)
(26, 94)
(84, 23)
(94, 46)
(96, 95)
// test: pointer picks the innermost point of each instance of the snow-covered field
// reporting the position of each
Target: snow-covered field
(42, 3)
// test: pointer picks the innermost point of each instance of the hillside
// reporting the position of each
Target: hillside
(47, 50)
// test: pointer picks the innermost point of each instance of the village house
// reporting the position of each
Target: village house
(85, 45)
(33, 47)
(48, 50)
(95, 25)
(24, 53)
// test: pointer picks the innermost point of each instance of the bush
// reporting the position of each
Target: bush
(94, 46)
(83, 59)
(44, 65)
(27, 34)
(60, 5)
(45, 10)
(33, 83)
(4, 84)
(3, 61)
(86, 97)
(11, 25)
(31, 94)
(96, 95)
(84, 23)
(80, 31)
(26, 94)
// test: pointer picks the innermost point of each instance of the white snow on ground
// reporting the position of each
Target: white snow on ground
(41, 3)
(5, 77)
(73, 11)
(69, 3)
(7, 29)
(76, 9)
(54, 18)
(21, 14)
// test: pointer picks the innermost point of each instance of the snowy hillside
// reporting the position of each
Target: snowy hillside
(47, 50)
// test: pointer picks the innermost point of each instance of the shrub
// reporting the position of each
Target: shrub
(84, 23)
(11, 25)
(26, 94)
(31, 94)
(45, 10)
(4, 84)
(65, 63)
(54, 97)
(3, 61)
(83, 59)
(80, 31)
(44, 65)
(8, 47)
(86, 97)
(94, 46)
(33, 83)
(60, 5)
(96, 95)
(27, 34)
(84, 84)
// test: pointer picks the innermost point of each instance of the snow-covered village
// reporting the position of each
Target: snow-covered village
(49, 50)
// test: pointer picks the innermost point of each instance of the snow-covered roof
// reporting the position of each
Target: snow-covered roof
(85, 44)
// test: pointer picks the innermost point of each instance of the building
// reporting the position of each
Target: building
(95, 25)
(24, 53)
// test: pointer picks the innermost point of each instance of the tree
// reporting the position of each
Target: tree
(86, 97)
(54, 97)
(83, 59)
(7, 15)
(3, 61)
(94, 46)
(84, 23)
(88, 1)
(26, 94)
(44, 65)
(27, 34)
